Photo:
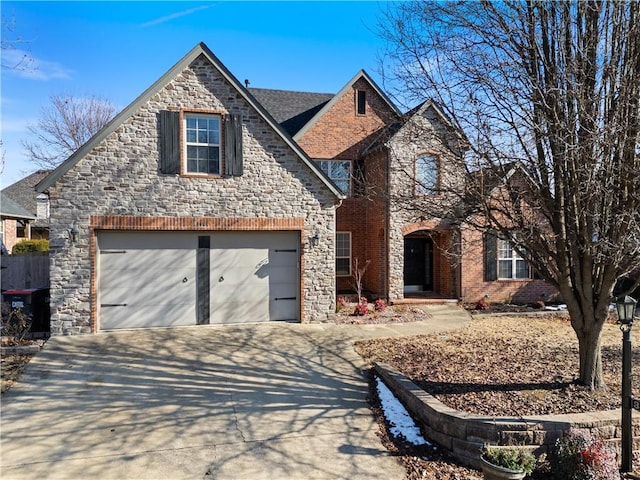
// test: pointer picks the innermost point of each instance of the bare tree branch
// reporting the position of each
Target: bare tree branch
(548, 90)
(64, 126)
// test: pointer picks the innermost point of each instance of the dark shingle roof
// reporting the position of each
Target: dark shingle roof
(292, 110)
(9, 208)
(23, 191)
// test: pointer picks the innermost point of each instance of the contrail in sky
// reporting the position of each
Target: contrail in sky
(175, 15)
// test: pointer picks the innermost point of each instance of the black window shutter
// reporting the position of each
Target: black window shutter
(490, 257)
(169, 141)
(233, 145)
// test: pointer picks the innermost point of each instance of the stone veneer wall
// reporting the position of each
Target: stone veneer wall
(422, 134)
(464, 434)
(120, 177)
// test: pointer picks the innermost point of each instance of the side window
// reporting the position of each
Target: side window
(343, 254)
(339, 171)
(427, 174)
(202, 144)
(510, 264)
(361, 102)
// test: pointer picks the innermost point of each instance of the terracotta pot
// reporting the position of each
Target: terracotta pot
(494, 472)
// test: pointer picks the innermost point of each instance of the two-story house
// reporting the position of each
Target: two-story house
(205, 201)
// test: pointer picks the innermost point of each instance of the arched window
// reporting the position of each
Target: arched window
(427, 174)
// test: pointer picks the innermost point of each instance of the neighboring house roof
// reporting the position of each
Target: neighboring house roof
(198, 50)
(292, 110)
(360, 75)
(23, 192)
(11, 209)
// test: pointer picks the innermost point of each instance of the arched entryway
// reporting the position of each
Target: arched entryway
(418, 263)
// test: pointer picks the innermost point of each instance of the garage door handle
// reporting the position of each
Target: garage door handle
(113, 304)
(221, 279)
(286, 298)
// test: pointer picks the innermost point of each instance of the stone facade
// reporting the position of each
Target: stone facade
(411, 213)
(120, 177)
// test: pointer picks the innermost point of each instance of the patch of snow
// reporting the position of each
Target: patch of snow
(556, 307)
(402, 425)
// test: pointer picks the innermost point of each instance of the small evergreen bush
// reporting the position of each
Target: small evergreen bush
(513, 458)
(30, 246)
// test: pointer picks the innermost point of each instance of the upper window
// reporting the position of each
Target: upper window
(361, 102)
(339, 171)
(202, 138)
(343, 253)
(427, 174)
(510, 263)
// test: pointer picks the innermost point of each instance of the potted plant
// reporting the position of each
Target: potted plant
(511, 463)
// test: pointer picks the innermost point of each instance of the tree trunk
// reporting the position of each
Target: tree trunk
(589, 345)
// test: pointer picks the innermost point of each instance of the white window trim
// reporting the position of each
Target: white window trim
(320, 161)
(186, 144)
(514, 258)
(349, 257)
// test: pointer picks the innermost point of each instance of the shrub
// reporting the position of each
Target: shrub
(30, 246)
(538, 305)
(577, 455)
(482, 305)
(380, 305)
(341, 303)
(513, 458)
(362, 308)
(15, 324)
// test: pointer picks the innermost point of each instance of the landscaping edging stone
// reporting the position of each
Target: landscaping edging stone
(463, 434)
(20, 350)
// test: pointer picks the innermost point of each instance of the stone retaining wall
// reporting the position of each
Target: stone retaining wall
(464, 434)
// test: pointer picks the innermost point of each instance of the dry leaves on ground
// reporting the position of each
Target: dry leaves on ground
(11, 367)
(506, 365)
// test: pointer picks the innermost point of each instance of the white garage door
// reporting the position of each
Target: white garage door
(146, 279)
(162, 279)
(254, 276)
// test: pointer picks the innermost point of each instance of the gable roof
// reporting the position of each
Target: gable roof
(11, 209)
(360, 75)
(198, 50)
(292, 110)
(394, 127)
(23, 191)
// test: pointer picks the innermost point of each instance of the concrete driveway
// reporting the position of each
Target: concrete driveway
(265, 401)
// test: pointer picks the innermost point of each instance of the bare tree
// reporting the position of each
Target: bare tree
(549, 89)
(13, 57)
(64, 126)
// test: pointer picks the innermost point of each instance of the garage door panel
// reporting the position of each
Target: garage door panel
(141, 279)
(149, 315)
(249, 270)
(142, 260)
(146, 294)
(283, 309)
(157, 280)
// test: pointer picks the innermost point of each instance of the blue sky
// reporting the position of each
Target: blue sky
(118, 49)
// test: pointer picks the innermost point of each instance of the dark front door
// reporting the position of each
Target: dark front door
(417, 264)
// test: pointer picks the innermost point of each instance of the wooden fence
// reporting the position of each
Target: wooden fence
(24, 271)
